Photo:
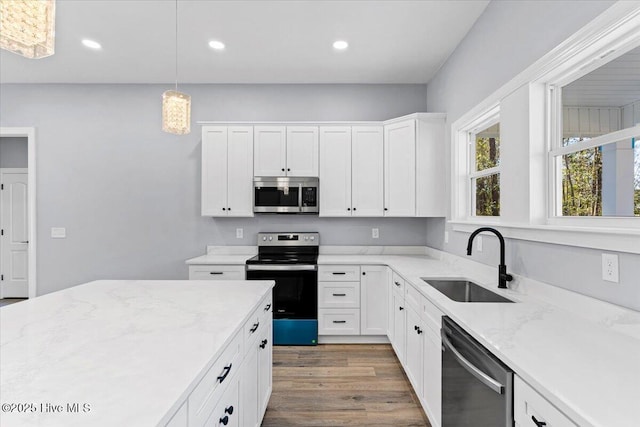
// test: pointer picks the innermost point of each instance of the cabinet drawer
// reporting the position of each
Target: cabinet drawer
(216, 272)
(344, 321)
(413, 298)
(431, 315)
(204, 397)
(339, 294)
(338, 273)
(257, 323)
(529, 404)
(397, 283)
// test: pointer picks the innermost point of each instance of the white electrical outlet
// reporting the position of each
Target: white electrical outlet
(610, 271)
(446, 237)
(239, 233)
(58, 233)
(479, 243)
(375, 233)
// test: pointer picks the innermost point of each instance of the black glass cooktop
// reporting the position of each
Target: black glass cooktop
(284, 258)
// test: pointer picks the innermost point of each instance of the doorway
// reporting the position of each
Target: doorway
(17, 213)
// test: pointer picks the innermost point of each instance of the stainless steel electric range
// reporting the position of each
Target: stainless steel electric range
(291, 259)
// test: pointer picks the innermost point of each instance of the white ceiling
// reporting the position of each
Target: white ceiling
(613, 85)
(267, 41)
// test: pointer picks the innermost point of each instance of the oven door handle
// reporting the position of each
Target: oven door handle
(276, 267)
(473, 370)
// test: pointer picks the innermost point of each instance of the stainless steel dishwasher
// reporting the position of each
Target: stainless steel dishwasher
(477, 388)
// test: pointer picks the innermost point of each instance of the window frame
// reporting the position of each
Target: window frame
(611, 33)
(472, 173)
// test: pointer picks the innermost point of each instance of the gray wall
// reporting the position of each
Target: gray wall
(13, 152)
(508, 37)
(129, 194)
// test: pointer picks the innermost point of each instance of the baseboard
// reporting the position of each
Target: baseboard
(353, 339)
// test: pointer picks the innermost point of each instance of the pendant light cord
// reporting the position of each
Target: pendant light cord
(176, 45)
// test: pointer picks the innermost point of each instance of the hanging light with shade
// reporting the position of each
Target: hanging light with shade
(176, 106)
(27, 27)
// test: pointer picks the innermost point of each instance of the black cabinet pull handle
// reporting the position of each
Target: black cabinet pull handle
(254, 327)
(401, 308)
(228, 209)
(339, 321)
(216, 273)
(267, 307)
(364, 273)
(397, 284)
(282, 169)
(419, 331)
(224, 420)
(386, 209)
(538, 423)
(288, 169)
(339, 295)
(263, 344)
(348, 209)
(229, 410)
(415, 328)
(339, 273)
(224, 209)
(224, 373)
(354, 209)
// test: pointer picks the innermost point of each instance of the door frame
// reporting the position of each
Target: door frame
(30, 134)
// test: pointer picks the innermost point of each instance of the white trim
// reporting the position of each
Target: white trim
(416, 116)
(485, 172)
(30, 134)
(609, 138)
(609, 239)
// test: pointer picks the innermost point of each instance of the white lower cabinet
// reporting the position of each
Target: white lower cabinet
(531, 409)
(339, 321)
(399, 329)
(432, 377)
(414, 351)
(373, 299)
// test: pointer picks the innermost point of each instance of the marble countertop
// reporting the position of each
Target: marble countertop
(131, 350)
(217, 259)
(580, 353)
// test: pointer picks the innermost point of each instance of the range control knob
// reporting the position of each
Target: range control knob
(264, 237)
(313, 237)
(306, 237)
(270, 237)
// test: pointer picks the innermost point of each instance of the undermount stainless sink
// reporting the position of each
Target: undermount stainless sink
(462, 290)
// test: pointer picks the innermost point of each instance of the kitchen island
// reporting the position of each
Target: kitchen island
(116, 353)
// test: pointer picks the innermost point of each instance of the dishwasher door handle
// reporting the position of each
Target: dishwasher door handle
(473, 370)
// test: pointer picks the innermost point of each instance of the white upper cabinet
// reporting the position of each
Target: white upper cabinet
(270, 151)
(335, 171)
(302, 151)
(286, 151)
(227, 171)
(400, 169)
(367, 171)
(430, 161)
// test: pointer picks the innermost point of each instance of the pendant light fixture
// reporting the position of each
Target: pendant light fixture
(176, 106)
(27, 27)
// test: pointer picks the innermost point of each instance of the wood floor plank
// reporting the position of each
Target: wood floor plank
(341, 385)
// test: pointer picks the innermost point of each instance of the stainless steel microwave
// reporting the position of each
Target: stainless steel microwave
(285, 195)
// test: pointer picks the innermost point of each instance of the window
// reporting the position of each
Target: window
(484, 173)
(594, 159)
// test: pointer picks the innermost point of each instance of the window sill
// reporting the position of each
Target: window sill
(610, 239)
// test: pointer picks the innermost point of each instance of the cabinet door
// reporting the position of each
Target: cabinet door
(227, 412)
(240, 171)
(249, 388)
(367, 171)
(214, 171)
(430, 167)
(400, 169)
(270, 151)
(432, 376)
(335, 171)
(414, 354)
(399, 330)
(265, 351)
(302, 151)
(373, 301)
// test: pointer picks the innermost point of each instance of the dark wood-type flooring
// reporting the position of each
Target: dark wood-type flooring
(341, 385)
(8, 301)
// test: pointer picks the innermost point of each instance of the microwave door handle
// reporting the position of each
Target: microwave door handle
(300, 197)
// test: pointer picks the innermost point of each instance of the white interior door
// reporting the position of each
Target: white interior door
(14, 222)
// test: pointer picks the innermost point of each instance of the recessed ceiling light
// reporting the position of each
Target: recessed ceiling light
(217, 45)
(91, 44)
(340, 45)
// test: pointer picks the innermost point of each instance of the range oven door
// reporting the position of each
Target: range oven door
(295, 301)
